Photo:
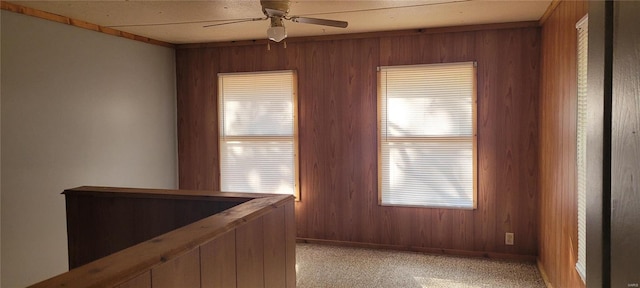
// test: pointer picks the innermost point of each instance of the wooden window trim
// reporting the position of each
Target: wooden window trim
(222, 137)
(473, 137)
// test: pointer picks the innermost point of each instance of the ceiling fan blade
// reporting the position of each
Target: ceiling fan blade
(325, 22)
(274, 12)
(237, 21)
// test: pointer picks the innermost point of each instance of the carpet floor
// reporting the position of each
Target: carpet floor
(331, 266)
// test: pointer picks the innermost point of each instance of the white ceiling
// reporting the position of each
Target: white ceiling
(178, 21)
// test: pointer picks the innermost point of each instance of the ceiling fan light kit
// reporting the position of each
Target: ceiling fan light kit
(276, 31)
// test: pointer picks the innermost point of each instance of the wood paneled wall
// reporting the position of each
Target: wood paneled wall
(558, 244)
(338, 148)
(99, 225)
(260, 258)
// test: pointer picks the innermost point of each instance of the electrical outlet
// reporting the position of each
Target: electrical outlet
(508, 238)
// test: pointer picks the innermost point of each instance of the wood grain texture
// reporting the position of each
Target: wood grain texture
(625, 148)
(140, 281)
(377, 34)
(337, 84)
(598, 157)
(79, 23)
(510, 95)
(218, 262)
(99, 226)
(124, 266)
(197, 119)
(558, 196)
(550, 9)
(275, 248)
(250, 254)
(290, 235)
(203, 195)
(183, 271)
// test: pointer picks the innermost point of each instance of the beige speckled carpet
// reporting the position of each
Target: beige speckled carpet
(330, 266)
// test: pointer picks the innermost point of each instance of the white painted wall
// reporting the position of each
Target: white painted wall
(77, 108)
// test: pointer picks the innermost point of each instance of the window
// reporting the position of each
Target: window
(427, 135)
(581, 144)
(258, 132)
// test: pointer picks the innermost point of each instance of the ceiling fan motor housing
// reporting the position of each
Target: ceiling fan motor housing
(276, 11)
(282, 6)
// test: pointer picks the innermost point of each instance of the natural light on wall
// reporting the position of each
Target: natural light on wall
(257, 113)
(427, 135)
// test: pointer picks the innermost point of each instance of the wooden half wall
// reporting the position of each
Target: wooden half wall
(558, 212)
(251, 244)
(338, 134)
(102, 221)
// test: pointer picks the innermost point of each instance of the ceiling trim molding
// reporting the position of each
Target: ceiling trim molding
(79, 23)
(396, 33)
(552, 7)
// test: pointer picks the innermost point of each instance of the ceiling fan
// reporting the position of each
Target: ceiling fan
(276, 12)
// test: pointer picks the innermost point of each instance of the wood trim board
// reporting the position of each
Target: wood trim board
(16, 8)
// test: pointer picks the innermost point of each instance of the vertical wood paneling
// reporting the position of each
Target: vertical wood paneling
(290, 245)
(507, 165)
(183, 271)
(99, 226)
(250, 254)
(197, 109)
(140, 281)
(625, 150)
(558, 199)
(338, 136)
(253, 58)
(252, 245)
(218, 262)
(275, 248)
(488, 138)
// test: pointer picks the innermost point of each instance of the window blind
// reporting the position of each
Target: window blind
(427, 135)
(257, 115)
(581, 143)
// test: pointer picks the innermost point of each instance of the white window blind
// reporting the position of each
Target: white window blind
(258, 132)
(581, 143)
(427, 135)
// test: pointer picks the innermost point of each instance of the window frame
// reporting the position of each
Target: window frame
(473, 137)
(222, 137)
